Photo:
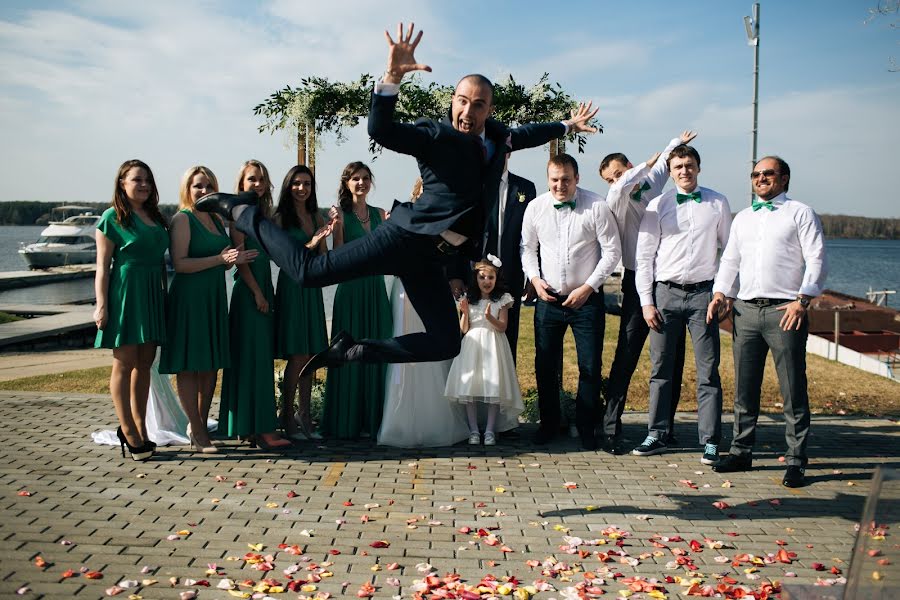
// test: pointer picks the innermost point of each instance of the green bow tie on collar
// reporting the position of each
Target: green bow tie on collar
(570, 204)
(680, 198)
(757, 204)
(636, 194)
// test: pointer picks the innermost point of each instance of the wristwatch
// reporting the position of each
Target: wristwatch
(803, 300)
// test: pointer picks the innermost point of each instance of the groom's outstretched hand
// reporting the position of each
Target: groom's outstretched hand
(581, 118)
(401, 54)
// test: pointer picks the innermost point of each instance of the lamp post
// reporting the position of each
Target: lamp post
(752, 26)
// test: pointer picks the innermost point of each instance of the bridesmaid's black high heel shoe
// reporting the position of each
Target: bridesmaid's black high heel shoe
(142, 453)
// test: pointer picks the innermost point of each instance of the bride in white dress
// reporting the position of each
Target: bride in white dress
(165, 420)
(416, 412)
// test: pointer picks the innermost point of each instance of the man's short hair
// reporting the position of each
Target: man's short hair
(609, 158)
(783, 168)
(479, 80)
(562, 160)
(683, 151)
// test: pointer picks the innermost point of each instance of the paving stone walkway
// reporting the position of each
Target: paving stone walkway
(191, 519)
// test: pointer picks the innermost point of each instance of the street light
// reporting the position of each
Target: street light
(751, 24)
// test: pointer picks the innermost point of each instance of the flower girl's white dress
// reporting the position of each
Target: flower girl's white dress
(484, 371)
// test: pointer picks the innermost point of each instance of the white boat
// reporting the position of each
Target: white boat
(69, 239)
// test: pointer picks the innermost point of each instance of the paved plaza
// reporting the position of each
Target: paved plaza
(352, 519)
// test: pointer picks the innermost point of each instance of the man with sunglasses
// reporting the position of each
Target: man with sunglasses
(774, 264)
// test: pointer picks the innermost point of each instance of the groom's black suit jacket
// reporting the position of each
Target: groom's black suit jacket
(457, 182)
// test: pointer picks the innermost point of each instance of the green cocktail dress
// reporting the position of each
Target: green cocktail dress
(354, 393)
(197, 312)
(136, 297)
(247, 405)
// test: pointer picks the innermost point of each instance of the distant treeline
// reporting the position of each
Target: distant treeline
(836, 226)
(38, 213)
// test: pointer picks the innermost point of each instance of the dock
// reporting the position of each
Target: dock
(10, 280)
(49, 321)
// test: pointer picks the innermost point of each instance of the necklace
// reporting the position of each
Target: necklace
(360, 219)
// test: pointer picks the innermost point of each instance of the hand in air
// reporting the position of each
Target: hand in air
(401, 54)
(687, 135)
(652, 160)
(581, 117)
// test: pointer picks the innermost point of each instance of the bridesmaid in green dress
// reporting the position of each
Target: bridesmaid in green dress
(130, 287)
(299, 312)
(197, 317)
(354, 393)
(247, 407)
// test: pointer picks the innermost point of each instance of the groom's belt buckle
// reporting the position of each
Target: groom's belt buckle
(445, 247)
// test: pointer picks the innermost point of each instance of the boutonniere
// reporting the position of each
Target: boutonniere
(521, 196)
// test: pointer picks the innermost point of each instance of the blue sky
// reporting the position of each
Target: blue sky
(89, 84)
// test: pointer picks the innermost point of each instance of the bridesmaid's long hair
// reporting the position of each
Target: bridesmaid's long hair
(265, 201)
(120, 200)
(184, 190)
(344, 196)
(285, 212)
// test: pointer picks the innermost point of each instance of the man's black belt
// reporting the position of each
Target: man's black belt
(443, 246)
(688, 287)
(763, 302)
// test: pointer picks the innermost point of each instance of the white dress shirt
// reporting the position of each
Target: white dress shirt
(568, 248)
(628, 200)
(774, 253)
(679, 242)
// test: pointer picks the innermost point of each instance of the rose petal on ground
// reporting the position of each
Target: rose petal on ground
(380, 544)
(721, 505)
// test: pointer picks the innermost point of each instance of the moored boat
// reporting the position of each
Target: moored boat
(68, 239)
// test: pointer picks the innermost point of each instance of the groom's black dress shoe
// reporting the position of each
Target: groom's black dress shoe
(222, 204)
(333, 356)
(733, 464)
(544, 435)
(793, 477)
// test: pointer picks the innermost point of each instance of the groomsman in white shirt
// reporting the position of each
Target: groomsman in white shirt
(630, 190)
(774, 265)
(676, 263)
(570, 245)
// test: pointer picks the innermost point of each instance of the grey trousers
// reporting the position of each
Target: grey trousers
(680, 309)
(756, 331)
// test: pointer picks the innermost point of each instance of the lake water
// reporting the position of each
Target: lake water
(854, 267)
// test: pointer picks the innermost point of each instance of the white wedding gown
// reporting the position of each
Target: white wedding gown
(416, 412)
(166, 421)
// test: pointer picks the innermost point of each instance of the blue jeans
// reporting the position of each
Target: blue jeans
(587, 323)
(388, 250)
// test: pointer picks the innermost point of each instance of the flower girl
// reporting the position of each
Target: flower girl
(484, 371)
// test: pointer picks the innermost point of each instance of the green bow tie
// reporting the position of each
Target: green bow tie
(570, 204)
(636, 194)
(695, 196)
(756, 205)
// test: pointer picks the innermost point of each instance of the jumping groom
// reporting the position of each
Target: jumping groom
(460, 161)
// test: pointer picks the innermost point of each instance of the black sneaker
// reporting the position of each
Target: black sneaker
(710, 454)
(649, 447)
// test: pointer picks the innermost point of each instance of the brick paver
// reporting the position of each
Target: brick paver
(90, 509)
